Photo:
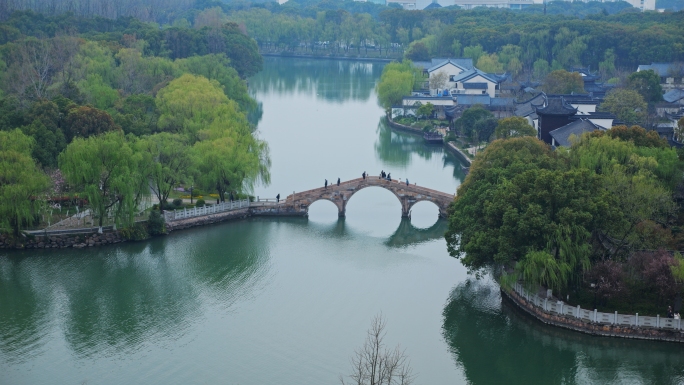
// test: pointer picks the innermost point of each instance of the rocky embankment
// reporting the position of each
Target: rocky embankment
(60, 241)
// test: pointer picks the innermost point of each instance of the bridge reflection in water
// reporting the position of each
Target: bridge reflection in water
(405, 235)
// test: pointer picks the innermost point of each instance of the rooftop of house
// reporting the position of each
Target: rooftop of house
(602, 115)
(462, 63)
(469, 74)
(473, 99)
(562, 134)
(433, 6)
(673, 96)
(578, 98)
(527, 108)
(664, 69)
(667, 105)
(475, 86)
(556, 106)
(427, 97)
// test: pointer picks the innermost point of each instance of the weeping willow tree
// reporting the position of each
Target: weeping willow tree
(109, 172)
(230, 158)
(561, 263)
(21, 181)
(225, 155)
(167, 162)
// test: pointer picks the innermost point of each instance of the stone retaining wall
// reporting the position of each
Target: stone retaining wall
(571, 323)
(93, 239)
(460, 154)
(207, 219)
(402, 127)
(60, 241)
(449, 146)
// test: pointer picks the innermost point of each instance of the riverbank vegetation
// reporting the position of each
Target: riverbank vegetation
(397, 80)
(526, 42)
(114, 109)
(598, 221)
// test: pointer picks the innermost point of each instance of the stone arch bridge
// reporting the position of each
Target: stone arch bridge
(408, 195)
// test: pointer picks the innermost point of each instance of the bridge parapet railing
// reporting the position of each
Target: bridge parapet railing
(175, 215)
(554, 306)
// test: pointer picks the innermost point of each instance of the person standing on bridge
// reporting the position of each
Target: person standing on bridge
(326, 184)
(389, 176)
(382, 174)
(278, 198)
(338, 181)
(363, 175)
(407, 182)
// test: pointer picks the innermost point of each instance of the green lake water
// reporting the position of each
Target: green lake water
(288, 300)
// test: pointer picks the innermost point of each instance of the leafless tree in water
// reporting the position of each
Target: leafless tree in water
(374, 364)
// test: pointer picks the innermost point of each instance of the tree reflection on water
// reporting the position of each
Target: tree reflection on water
(494, 342)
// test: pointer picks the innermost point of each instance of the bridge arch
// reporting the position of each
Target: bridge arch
(412, 203)
(327, 201)
(408, 195)
(364, 187)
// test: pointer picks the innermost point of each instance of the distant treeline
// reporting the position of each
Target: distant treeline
(520, 41)
(608, 35)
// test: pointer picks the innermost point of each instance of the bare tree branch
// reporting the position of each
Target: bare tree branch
(374, 364)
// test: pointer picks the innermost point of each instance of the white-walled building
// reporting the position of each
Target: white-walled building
(406, 4)
(460, 77)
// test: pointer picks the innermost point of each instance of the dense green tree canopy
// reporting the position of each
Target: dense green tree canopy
(513, 127)
(21, 181)
(467, 122)
(548, 216)
(563, 82)
(167, 162)
(108, 170)
(230, 159)
(628, 105)
(85, 121)
(647, 84)
(396, 82)
(191, 103)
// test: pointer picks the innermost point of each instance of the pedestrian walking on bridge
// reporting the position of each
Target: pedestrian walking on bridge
(364, 175)
(338, 181)
(326, 184)
(407, 182)
(278, 198)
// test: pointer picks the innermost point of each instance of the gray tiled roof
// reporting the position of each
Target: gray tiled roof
(433, 6)
(502, 102)
(475, 86)
(663, 69)
(466, 75)
(562, 134)
(473, 99)
(556, 106)
(674, 95)
(464, 64)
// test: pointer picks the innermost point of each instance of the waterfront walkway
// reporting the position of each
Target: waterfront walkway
(297, 204)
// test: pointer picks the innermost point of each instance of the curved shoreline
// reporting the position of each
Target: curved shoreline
(591, 327)
(448, 145)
